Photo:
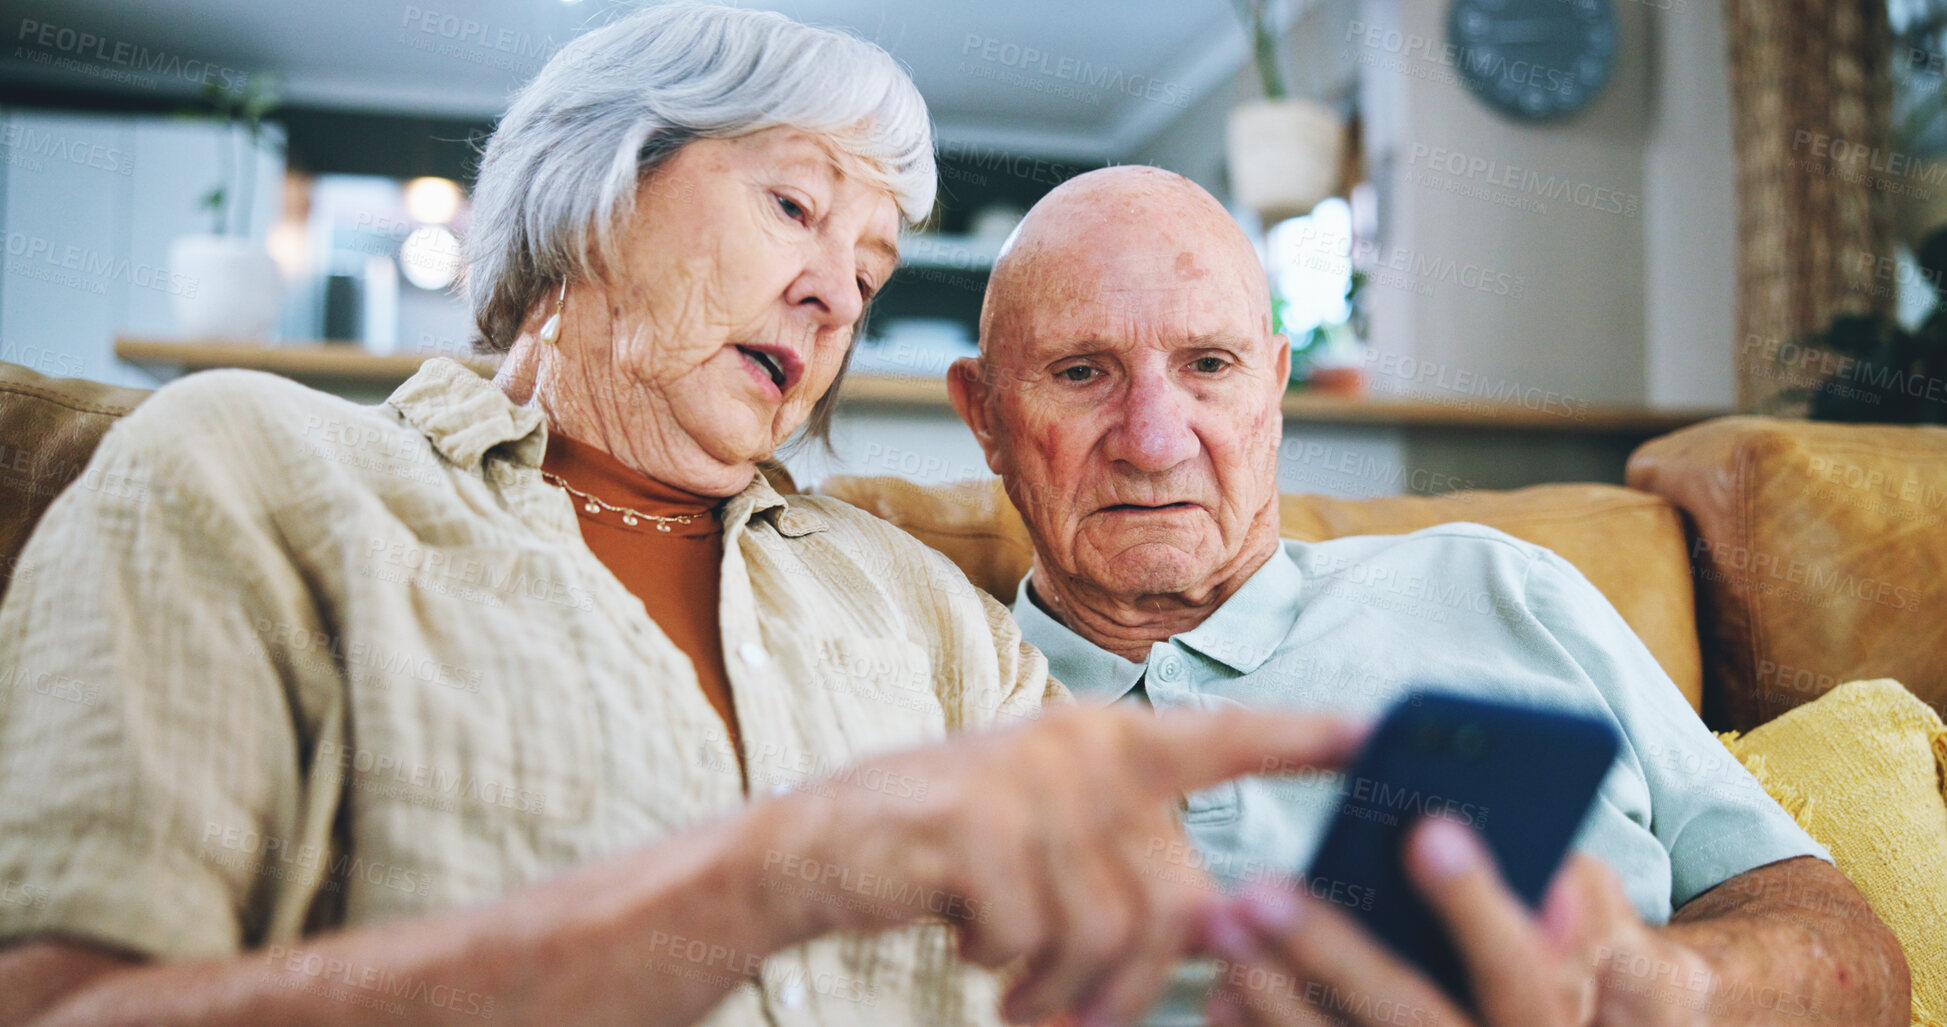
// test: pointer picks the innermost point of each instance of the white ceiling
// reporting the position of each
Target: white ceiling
(420, 57)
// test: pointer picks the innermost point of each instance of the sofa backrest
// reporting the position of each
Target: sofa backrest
(49, 427)
(1629, 544)
(1820, 552)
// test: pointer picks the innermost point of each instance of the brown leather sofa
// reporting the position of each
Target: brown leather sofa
(48, 429)
(1819, 553)
(1762, 561)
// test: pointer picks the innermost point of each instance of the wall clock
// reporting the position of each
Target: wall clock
(1534, 59)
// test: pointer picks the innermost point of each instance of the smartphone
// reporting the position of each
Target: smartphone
(1523, 778)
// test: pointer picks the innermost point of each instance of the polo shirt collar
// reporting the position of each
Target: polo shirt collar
(1242, 634)
(1248, 629)
(1090, 671)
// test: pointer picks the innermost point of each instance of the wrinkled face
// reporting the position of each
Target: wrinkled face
(1135, 396)
(745, 271)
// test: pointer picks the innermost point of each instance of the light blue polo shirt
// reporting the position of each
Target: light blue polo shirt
(1349, 625)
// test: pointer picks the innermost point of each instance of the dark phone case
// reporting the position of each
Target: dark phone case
(1521, 777)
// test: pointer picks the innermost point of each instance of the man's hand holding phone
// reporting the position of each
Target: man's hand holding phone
(1294, 959)
(1455, 925)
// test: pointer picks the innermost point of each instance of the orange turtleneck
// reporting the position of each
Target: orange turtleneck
(676, 573)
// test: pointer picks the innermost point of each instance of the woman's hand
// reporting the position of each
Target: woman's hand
(1584, 958)
(1055, 844)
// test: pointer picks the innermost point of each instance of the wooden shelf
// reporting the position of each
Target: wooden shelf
(888, 390)
(343, 362)
(1395, 412)
(1553, 415)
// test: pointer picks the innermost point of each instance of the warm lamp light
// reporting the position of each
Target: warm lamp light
(430, 257)
(433, 201)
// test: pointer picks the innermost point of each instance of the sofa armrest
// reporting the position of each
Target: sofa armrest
(1820, 552)
(49, 428)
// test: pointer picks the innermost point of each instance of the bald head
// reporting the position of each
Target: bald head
(1127, 393)
(1118, 229)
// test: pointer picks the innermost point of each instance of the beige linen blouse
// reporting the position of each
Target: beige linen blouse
(310, 664)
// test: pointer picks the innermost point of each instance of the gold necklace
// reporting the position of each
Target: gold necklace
(629, 517)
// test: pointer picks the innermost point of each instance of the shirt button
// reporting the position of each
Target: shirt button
(791, 994)
(753, 654)
(1169, 668)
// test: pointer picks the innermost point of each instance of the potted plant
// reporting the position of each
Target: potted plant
(231, 286)
(1285, 151)
(1871, 368)
(1879, 371)
(1330, 358)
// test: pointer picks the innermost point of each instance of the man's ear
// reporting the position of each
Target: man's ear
(1283, 347)
(968, 389)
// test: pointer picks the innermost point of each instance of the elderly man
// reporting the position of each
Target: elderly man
(1127, 392)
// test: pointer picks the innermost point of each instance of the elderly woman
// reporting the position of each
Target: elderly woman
(530, 700)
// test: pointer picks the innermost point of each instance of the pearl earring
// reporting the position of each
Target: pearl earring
(551, 329)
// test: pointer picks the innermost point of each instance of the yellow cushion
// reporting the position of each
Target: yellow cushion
(1860, 769)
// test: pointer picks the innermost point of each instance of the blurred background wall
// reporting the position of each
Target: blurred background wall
(1521, 283)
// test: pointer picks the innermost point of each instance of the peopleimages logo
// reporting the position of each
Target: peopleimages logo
(1526, 181)
(1730, 560)
(464, 39)
(1889, 171)
(1407, 49)
(79, 267)
(466, 30)
(1385, 801)
(991, 158)
(1400, 266)
(76, 44)
(32, 149)
(1030, 59)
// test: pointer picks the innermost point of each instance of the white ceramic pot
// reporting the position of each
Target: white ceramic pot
(230, 287)
(1284, 156)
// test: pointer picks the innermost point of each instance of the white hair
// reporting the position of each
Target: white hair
(558, 178)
